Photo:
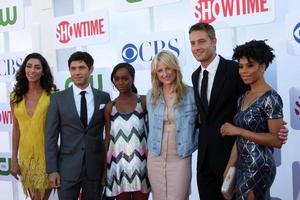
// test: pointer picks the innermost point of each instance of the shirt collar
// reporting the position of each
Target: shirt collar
(77, 90)
(213, 66)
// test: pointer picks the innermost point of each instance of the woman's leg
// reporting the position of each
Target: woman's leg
(124, 196)
(140, 196)
(37, 194)
(251, 195)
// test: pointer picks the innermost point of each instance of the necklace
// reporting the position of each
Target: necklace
(250, 98)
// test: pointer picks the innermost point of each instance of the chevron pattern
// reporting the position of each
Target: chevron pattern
(127, 138)
(126, 156)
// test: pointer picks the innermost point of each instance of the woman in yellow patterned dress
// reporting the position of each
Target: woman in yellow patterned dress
(29, 104)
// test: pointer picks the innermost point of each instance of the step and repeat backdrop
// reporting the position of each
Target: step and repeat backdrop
(134, 31)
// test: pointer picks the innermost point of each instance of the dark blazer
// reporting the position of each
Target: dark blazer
(213, 149)
(75, 141)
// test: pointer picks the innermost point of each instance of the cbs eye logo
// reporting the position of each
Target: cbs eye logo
(296, 32)
(146, 50)
(129, 53)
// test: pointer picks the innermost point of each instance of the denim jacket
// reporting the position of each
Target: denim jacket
(185, 115)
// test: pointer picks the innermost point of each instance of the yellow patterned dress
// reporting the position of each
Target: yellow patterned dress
(31, 145)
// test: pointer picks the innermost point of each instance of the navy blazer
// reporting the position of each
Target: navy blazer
(213, 149)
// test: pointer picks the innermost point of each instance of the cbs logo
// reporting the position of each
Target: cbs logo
(296, 32)
(148, 49)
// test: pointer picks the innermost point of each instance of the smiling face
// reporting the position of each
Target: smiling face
(34, 70)
(123, 80)
(165, 74)
(203, 47)
(80, 73)
(250, 70)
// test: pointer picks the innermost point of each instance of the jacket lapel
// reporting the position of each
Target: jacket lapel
(96, 104)
(72, 106)
(195, 81)
(217, 84)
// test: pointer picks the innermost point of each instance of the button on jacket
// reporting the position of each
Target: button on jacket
(186, 116)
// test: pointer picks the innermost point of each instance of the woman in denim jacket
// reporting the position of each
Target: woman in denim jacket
(172, 136)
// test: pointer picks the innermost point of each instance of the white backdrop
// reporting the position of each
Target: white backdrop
(134, 30)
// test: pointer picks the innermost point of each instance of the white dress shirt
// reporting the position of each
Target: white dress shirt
(89, 100)
(212, 69)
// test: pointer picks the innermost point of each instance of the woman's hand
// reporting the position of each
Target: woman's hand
(229, 129)
(225, 171)
(15, 172)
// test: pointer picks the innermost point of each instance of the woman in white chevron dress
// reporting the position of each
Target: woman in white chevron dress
(126, 139)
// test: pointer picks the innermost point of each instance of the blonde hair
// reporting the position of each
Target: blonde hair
(169, 59)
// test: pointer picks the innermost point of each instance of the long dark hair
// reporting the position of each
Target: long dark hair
(21, 87)
(131, 71)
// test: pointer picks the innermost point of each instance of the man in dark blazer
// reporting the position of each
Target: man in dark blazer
(224, 85)
(217, 86)
(76, 119)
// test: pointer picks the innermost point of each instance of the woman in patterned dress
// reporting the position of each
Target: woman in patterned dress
(29, 104)
(126, 139)
(259, 117)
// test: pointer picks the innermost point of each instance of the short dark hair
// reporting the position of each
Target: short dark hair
(200, 26)
(81, 56)
(130, 70)
(257, 50)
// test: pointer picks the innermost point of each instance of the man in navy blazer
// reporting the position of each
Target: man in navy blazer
(223, 88)
(76, 117)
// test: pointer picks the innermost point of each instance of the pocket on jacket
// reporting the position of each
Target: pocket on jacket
(66, 150)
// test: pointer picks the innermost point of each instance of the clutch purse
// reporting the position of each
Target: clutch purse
(228, 185)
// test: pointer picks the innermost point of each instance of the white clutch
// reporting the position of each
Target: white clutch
(229, 183)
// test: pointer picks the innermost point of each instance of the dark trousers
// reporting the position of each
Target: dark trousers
(91, 189)
(209, 185)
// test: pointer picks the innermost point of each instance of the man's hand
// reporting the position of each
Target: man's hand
(54, 180)
(283, 134)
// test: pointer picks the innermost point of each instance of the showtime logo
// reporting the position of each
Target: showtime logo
(209, 11)
(295, 107)
(66, 30)
(5, 117)
(81, 29)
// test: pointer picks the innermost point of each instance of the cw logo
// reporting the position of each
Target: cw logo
(69, 82)
(5, 166)
(7, 20)
(133, 1)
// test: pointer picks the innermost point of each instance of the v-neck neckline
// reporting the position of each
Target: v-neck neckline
(36, 106)
(253, 102)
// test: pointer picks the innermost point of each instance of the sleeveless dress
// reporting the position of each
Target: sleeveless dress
(256, 167)
(127, 152)
(170, 176)
(31, 145)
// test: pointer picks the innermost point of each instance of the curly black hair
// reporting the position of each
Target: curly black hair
(130, 70)
(257, 50)
(21, 87)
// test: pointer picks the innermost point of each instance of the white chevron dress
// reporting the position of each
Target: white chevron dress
(127, 153)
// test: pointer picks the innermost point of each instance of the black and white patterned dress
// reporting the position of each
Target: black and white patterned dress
(127, 153)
